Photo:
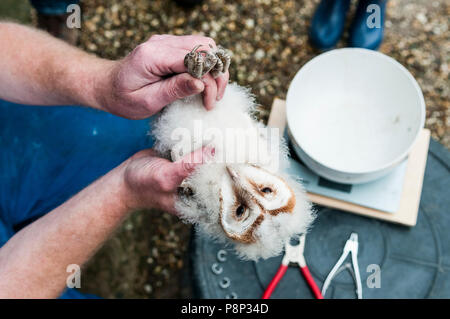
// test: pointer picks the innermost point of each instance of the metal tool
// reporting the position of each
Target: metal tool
(293, 255)
(351, 247)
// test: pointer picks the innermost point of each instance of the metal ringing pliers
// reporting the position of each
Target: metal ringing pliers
(351, 247)
(293, 255)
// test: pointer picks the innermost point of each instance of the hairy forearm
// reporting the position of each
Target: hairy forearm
(33, 263)
(36, 68)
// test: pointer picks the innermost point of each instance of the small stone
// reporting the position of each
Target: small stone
(148, 289)
(128, 226)
(114, 8)
(100, 10)
(216, 26)
(91, 26)
(250, 23)
(259, 54)
(154, 23)
(422, 17)
(231, 26)
(157, 270)
(92, 47)
(109, 34)
(205, 26)
(286, 53)
(180, 21)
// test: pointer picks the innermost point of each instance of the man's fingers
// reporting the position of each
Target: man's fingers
(169, 90)
(186, 165)
(181, 86)
(168, 176)
(222, 82)
(162, 56)
(210, 91)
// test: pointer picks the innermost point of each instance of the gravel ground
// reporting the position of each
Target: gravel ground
(147, 256)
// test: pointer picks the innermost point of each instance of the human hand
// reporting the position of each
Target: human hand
(152, 181)
(153, 75)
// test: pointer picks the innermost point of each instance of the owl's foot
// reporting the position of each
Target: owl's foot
(200, 63)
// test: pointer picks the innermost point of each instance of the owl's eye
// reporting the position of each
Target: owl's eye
(240, 211)
(266, 190)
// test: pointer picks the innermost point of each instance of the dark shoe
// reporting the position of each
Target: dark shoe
(328, 23)
(364, 31)
(56, 25)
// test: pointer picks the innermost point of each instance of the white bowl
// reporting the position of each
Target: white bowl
(353, 114)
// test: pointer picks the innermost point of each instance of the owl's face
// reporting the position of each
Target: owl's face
(248, 194)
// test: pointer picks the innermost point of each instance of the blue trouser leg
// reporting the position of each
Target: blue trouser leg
(52, 7)
(48, 154)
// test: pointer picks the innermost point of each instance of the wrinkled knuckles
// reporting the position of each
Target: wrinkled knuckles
(176, 90)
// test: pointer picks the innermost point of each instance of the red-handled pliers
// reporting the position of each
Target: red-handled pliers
(293, 254)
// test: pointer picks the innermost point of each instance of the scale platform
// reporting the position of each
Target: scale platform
(394, 197)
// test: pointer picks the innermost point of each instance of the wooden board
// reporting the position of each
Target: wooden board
(412, 187)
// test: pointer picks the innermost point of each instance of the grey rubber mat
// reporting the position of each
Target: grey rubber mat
(414, 262)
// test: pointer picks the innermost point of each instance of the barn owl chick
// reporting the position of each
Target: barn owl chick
(242, 196)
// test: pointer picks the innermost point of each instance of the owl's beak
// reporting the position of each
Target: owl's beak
(238, 181)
